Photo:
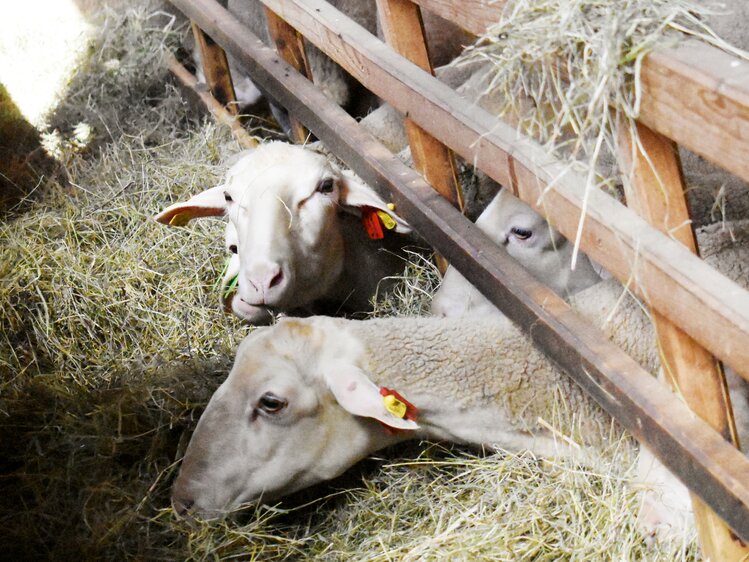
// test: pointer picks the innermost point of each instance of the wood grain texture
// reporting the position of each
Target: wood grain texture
(216, 70)
(676, 282)
(290, 45)
(471, 15)
(698, 96)
(685, 444)
(655, 190)
(693, 93)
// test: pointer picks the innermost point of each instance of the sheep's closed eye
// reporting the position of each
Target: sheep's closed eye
(227, 197)
(326, 185)
(521, 233)
(271, 404)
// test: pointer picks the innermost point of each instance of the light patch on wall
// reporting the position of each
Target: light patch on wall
(41, 43)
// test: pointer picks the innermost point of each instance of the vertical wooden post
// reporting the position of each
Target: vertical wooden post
(216, 70)
(655, 190)
(404, 31)
(290, 45)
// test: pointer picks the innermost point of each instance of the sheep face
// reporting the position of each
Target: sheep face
(293, 411)
(283, 204)
(529, 239)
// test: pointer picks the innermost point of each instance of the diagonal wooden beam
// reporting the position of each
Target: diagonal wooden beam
(676, 282)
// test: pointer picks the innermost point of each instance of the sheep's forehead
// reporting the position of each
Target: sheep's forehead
(293, 347)
(280, 169)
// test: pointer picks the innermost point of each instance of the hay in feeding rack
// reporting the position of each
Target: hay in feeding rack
(112, 340)
(567, 71)
(579, 60)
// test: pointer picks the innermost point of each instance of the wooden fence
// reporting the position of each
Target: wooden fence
(693, 95)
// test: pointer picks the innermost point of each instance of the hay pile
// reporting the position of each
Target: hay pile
(112, 341)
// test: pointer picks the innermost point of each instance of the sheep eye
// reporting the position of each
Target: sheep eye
(521, 233)
(326, 186)
(227, 197)
(271, 404)
(233, 248)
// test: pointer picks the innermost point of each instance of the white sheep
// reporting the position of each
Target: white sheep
(304, 400)
(529, 239)
(296, 227)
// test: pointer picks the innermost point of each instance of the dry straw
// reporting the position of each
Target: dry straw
(113, 339)
(567, 71)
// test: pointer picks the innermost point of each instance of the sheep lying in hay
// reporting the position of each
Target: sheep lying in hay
(307, 234)
(303, 402)
(307, 399)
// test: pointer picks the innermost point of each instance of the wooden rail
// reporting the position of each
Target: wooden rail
(695, 94)
(669, 277)
(697, 454)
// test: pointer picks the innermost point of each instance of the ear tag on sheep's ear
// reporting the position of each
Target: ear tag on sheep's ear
(371, 222)
(180, 219)
(386, 220)
(397, 405)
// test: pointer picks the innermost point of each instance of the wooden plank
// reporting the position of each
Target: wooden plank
(471, 15)
(216, 70)
(290, 45)
(404, 31)
(699, 96)
(655, 190)
(677, 282)
(684, 443)
(693, 93)
(219, 112)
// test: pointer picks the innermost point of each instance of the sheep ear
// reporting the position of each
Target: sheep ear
(208, 203)
(358, 395)
(355, 195)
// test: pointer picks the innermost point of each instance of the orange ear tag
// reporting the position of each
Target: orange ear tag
(371, 222)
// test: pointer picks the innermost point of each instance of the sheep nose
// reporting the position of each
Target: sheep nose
(265, 277)
(182, 505)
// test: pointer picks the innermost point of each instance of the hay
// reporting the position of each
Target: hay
(567, 73)
(112, 340)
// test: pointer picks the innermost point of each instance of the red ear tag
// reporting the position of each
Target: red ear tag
(398, 406)
(371, 223)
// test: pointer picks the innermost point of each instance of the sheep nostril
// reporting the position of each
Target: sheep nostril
(277, 278)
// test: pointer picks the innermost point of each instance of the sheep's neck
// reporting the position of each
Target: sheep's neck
(472, 381)
(366, 263)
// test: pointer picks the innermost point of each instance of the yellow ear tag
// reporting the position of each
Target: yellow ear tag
(180, 219)
(386, 219)
(394, 406)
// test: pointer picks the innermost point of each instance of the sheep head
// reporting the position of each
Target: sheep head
(283, 202)
(296, 409)
(529, 239)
